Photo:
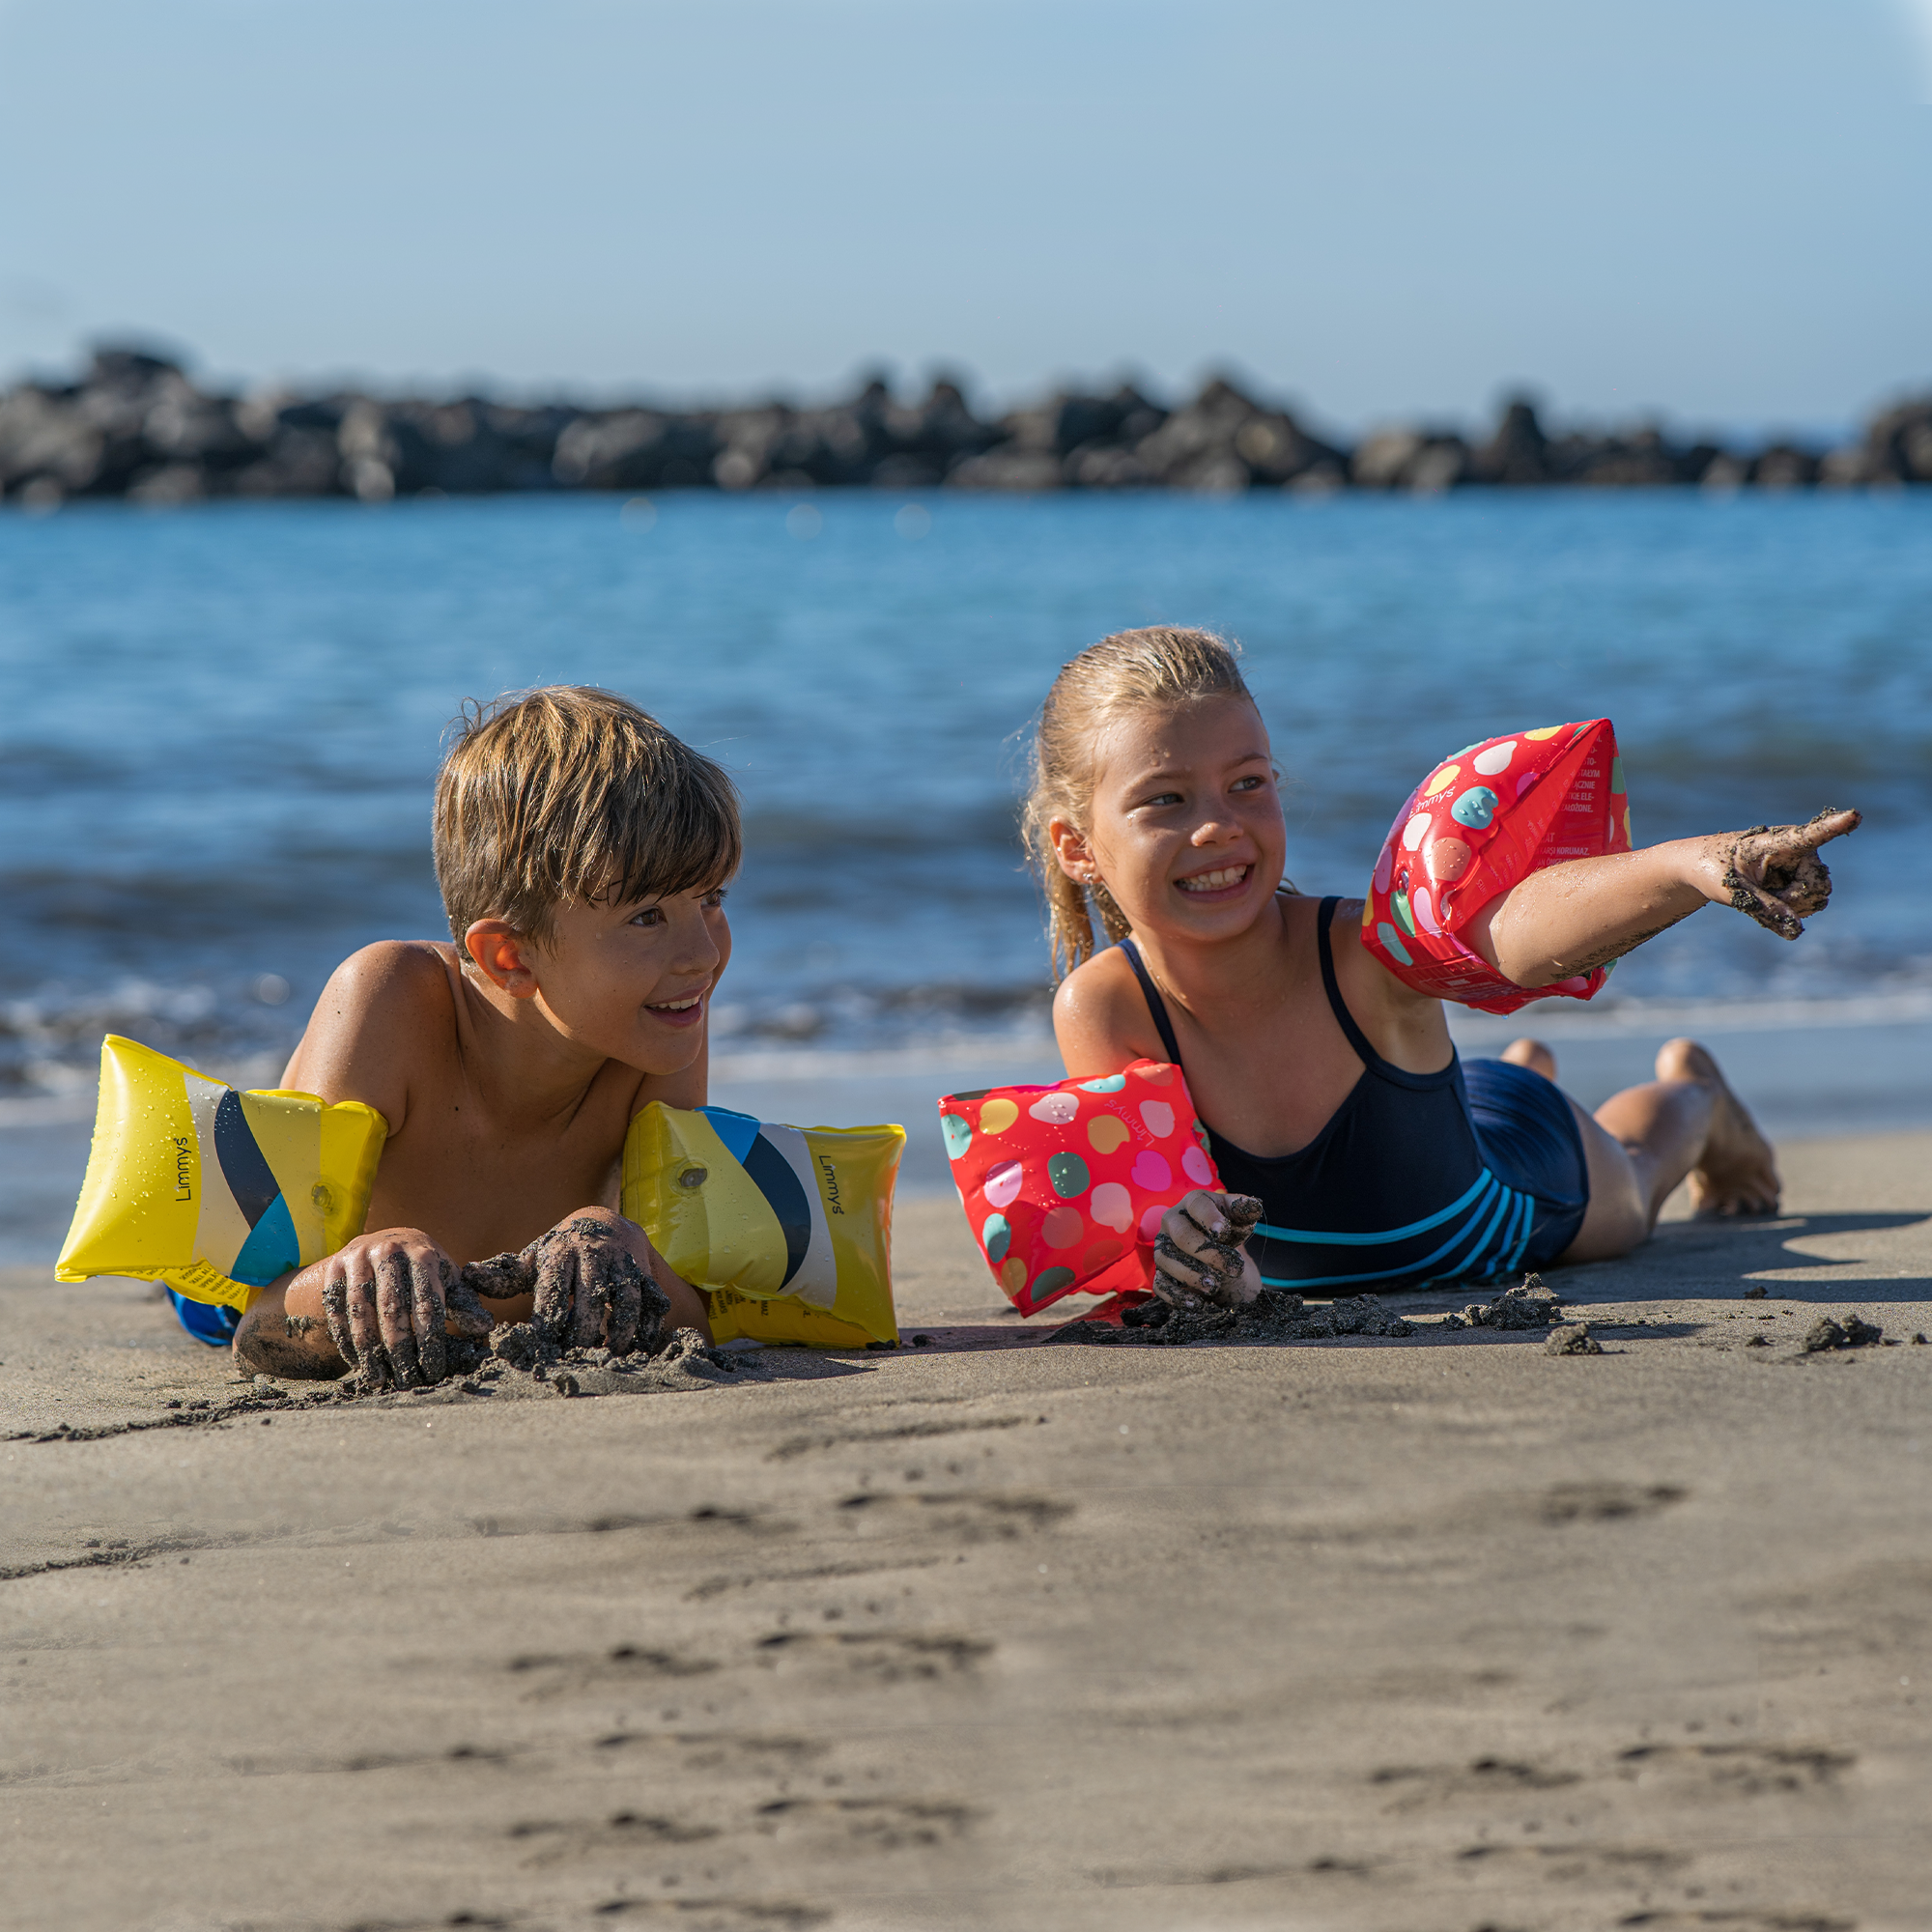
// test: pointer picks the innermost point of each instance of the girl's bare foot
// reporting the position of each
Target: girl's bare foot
(1532, 1054)
(1737, 1171)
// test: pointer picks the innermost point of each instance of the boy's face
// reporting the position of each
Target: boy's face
(633, 983)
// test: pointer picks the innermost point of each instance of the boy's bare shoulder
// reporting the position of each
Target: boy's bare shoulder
(397, 965)
(393, 984)
(383, 1018)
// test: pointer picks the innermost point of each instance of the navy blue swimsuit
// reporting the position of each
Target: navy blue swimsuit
(1464, 1174)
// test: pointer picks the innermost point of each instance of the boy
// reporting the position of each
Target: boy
(582, 854)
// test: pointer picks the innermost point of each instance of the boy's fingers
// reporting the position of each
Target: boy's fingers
(365, 1340)
(395, 1317)
(502, 1276)
(335, 1312)
(426, 1317)
(555, 1279)
(654, 1309)
(462, 1306)
(593, 1300)
(602, 1263)
(627, 1305)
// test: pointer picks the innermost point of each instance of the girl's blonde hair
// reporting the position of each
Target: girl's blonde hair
(1124, 673)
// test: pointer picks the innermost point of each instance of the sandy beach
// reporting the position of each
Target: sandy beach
(1001, 1632)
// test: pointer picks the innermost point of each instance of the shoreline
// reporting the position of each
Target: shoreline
(1838, 1073)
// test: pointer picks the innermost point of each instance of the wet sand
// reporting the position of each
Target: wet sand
(1418, 1635)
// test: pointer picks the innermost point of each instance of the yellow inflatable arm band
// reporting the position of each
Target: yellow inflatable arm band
(213, 1191)
(787, 1231)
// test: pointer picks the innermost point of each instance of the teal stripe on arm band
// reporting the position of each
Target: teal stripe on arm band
(1483, 1181)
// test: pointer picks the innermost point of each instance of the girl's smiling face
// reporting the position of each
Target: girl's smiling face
(1187, 833)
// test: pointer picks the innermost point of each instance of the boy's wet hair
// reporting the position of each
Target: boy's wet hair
(571, 793)
(1123, 672)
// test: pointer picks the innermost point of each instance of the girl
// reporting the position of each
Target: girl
(1331, 1092)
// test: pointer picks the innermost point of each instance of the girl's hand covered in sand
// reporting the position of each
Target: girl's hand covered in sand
(390, 1299)
(1199, 1256)
(1774, 873)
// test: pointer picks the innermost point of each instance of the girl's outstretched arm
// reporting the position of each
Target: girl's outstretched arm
(1570, 917)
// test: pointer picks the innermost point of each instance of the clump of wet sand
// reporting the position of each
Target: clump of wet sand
(1572, 1338)
(1529, 1304)
(1275, 1314)
(1853, 1332)
(1279, 1315)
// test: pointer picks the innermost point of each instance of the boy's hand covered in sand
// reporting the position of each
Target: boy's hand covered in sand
(587, 1285)
(390, 1299)
(1199, 1252)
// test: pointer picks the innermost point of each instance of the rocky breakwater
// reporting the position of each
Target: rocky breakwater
(137, 426)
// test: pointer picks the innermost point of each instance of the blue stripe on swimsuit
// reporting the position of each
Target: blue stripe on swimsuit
(1468, 1174)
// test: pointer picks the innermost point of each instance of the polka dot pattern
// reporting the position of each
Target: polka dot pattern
(1068, 1175)
(1064, 1187)
(1001, 1185)
(1063, 1226)
(1488, 816)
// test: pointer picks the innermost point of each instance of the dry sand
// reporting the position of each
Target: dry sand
(1414, 1635)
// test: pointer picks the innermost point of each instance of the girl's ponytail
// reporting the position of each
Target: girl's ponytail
(1119, 673)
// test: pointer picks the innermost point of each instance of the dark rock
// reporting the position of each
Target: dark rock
(636, 449)
(1898, 448)
(1008, 469)
(1518, 453)
(1423, 461)
(1785, 466)
(136, 425)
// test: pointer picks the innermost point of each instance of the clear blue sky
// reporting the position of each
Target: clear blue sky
(1719, 208)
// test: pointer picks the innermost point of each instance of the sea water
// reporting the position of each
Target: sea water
(223, 725)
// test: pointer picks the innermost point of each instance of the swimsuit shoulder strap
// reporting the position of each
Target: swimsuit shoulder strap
(1344, 1018)
(1156, 1005)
